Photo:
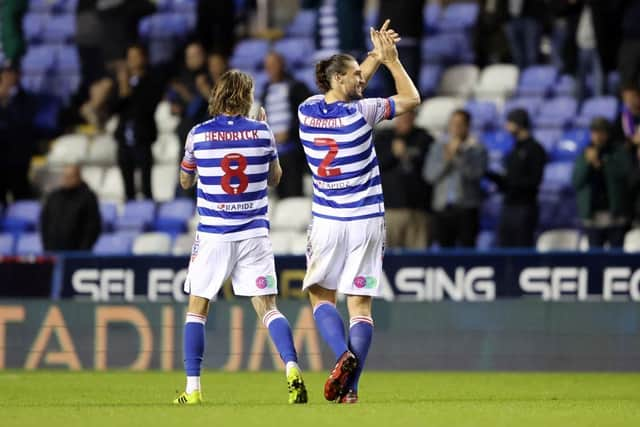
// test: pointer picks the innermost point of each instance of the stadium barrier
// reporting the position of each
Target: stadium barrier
(516, 334)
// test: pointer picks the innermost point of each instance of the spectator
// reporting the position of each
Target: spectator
(407, 20)
(589, 62)
(139, 92)
(600, 180)
(70, 217)
(489, 39)
(217, 65)
(401, 155)
(524, 167)
(627, 126)
(215, 25)
(455, 168)
(282, 96)
(89, 36)
(17, 135)
(564, 22)
(524, 29)
(629, 53)
(11, 39)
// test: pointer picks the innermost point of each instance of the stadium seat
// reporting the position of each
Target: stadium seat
(432, 13)
(59, 28)
(295, 51)
(547, 138)
(566, 150)
(174, 215)
(458, 80)
(114, 244)
(29, 244)
(69, 149)
(306, 76)
(22, 215)
(303, 24)
(67, 60)
(565, 86)
(632, 240)
(603, 106)
(556, 113)
(557, 177)
(486, 240)
(112, 186)
(434, 113)
(152, 244)
(500, 141)
(33, 25)
(490, 212)
(281, 242)
(102, 150)
(163, 26)
(249, 54)
(447, 48)
(458, 17)
(497, 81)
(7, 242)
(183, 6)
(92, 176)
(292, 214)
(182, 245)
(558, 240)
(429, 78)
(138, 215)
(166, 122)
(484, 115)
(38, 60)
(109, 215)
(167, 150)
(164, 182)
(46, 118)
(537, 81)
(531, 105)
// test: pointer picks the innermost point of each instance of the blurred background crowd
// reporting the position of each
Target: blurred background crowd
(527, 136)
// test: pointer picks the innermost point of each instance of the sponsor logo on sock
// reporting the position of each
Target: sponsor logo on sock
(365, 282)
(264, 282)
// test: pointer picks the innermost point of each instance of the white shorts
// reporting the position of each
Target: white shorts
(345, 255)
(249, 263)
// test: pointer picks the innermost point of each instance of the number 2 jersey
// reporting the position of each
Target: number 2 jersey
(231, 155)
(338, 143)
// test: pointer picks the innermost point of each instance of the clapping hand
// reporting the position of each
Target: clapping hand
(384, 43)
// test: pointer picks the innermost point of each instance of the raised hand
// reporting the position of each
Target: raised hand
(385, 45)
(377, 38)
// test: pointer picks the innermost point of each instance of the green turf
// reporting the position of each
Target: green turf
(387, 399)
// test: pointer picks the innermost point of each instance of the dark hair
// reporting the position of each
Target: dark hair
(327, 68)
(142, 48)
(232, 94)
(629, 85)
(465, 115)
(600, 124)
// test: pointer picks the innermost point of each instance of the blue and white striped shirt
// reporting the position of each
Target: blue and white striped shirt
(338, 143)
(231, 156)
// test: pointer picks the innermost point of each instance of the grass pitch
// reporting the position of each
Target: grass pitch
(387, 399)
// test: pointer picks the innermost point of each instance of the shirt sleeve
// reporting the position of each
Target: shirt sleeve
(376, 110)
(188, 164)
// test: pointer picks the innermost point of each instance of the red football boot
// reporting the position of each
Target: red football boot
(339, 377)
(350, 397)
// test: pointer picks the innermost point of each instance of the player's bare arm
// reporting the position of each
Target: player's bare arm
(370, 65)
(187, 180)
(407, 97)
(275, 173)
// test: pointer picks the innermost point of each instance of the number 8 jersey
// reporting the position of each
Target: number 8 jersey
(231, 156)
(338, 143)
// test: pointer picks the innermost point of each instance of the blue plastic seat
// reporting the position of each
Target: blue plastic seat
(67, 60)
(565, 86)
(602, 106)
(163, 26)
(537, 80)
(173, 216)
(33, 25)
(459, 17)
(22, 215)
(249, 54)
(296, 52)
(484, 115)
(46, 118)
(306, 76)
(447, 48)
(531, 105)
(59, 28)
(7, 242)
(109, 215)
(499, 144)
(29, 244)
(490, 212)
(548, 138)
(38, 60)
(580, 135)
(486, 240)
(184, 6)
(557, 177)
(114, 244)
(557, 113)
(429, 78)
(138, 215)
(303, 25)
(431, 15)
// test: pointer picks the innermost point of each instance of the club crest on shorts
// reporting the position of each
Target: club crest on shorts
(264, 282)
(365, 282)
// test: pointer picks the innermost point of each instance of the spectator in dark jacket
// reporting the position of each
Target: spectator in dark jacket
(524, 168)
(139, 91)
(455, 167)
(282, 96)
(629, 52)
(600, 180)
(407, 196)
(215, 25)
(70, 218)
(17, 135)
(524, 29)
